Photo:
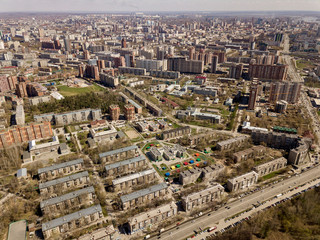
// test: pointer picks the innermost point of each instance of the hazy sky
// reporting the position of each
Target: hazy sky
(157, 5)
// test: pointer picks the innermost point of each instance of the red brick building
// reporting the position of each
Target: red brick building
(34, 131)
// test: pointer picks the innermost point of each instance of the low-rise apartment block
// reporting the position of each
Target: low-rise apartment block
(144, 196)
(153, 216)
(176, 133)
(202, 198)
(126, 166)
(196, 139)
(68, 201)
(118, 154)
(213, 171)
(231, 143)
(135, 179)
(58, 170)
(269, 167)
(242, 182)
(71, 221)
(249, 153)
(65, 183)
(189, 176)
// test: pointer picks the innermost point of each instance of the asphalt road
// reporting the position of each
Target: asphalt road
(216, 217)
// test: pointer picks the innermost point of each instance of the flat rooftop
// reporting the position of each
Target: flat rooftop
(65, 197)
(71, 217)
(62, 180)
(143, 192)
(60, 165)
(120, 150)
(124, 162)
(18, 230)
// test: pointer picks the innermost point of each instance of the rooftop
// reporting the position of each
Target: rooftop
(132, 176)
(143, 192)
(65, 197)
(120, 150)
(71, 217)
(62, 180)
(60, 165)
(125, 162)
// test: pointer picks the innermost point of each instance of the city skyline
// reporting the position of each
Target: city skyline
(156, 5)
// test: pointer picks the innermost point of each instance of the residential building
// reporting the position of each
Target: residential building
(105, 233)
(214, 64)
(133, 180)
(108, 80)
(20, 116)
(18, 135)
(189, 176)
(144, 196)
(235, 71)
(213, 171)
(114, 112)
(152, 217)
(155, 154)
(49, 146)
(72, 221)
(299, 155)
(231, 143)
(253, 97)
(202, 198)
(165, 74)
(119, 154)
(132, 70)
(151, 64)
(175, 133)
(272, 166)
(287, 91)
(124, 167)
(182, 65)
(41, 99)
(268, 72)
(72, 200)
(65, 183)
(129, 112)
(242, 182)
(103, 133)
(61, 169)
(249, 153)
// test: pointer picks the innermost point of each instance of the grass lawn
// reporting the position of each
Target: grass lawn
(273, 174)
(68, 91)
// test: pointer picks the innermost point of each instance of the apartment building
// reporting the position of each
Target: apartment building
(61, 169)
(144, 196)
(66, 118)
(189, 176)
(231, 143)
(269, 167)
(249, 153)
(109, 80)
(286, 91)
(275, 139)
(268, 72)
(126, 166)
(182, 65)
(242, 182)
(119, 154)
(20, 116)
(213, 171)
(176, 133)
(134, 179)
(37, 100)
(299, 155)
(65, 183)
(202, 198)
(165, 74)
(196, 139)
(18, 135)
(68, 201)
(132, 70)
(151, 64)
(152, 217)
(72, 221)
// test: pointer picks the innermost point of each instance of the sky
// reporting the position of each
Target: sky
(156, 5)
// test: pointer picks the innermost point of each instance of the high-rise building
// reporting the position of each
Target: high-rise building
(123, 43)
(214, 63)
(181, 64)
(129, 112)
(268, 72)
(12, 81)
(86, 54)
(101, 65)
(254, 93)
(114, 111)
(67, 44)
(192, 52)
(287, 91)
(4, 85)
(235, 71)
(21, 89)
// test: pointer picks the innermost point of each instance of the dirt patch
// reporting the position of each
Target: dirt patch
(132, 134)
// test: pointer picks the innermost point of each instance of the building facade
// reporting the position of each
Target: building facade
(176, 133)
(242, 182)
(231, 143)
(269, 167)
(202, 198)
(119, 154)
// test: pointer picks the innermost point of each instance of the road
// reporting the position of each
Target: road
(186, 229)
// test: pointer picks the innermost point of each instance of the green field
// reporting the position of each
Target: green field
(68, 91)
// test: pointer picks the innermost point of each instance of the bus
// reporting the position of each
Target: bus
(212, 229)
